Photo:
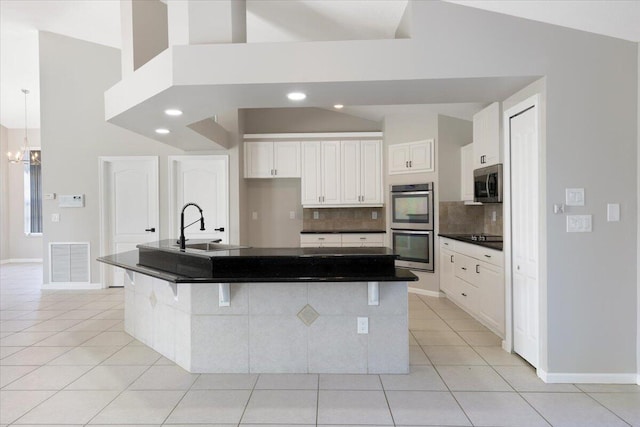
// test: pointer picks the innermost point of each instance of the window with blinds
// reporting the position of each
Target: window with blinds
(33, 193)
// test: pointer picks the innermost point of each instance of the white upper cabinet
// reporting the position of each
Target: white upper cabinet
(361, 172)
(487, 143)
(320, 173)
(267, 159)
(411, 157)
(466, 173)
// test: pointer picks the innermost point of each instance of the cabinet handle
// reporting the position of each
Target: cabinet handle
(363, 238)
(319, 199)
(488, 256)
(410, 164)
(451, 258)
(477, 271)
(406, 164)
(320, 238)
(464, 295)
(275, 171)
(464, 268)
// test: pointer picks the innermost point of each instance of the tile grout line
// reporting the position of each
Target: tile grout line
(605, 407)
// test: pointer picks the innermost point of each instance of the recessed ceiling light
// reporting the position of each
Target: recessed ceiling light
(173, 112)
(163, 131)
(338, 106)
(296, 96)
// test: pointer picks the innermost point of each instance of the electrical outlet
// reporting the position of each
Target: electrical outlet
(493, 216)
(292, 214)
(55, 217)
(363, 325)
(254, 215)
(374, 215)
(316, 215)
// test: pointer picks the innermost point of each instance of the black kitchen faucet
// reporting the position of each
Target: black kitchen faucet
(182, 240)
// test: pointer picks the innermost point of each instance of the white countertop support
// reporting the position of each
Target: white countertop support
(374, 293)
(224, 295)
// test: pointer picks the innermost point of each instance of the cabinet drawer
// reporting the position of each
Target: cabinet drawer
(465, 294)
(320, 240)
(362, 238)
(481, 253)
(465, 267)
(447, 243)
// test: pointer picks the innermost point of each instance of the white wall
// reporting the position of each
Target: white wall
(453, 133)
(638, 242)
(4, 195)
(20, 246)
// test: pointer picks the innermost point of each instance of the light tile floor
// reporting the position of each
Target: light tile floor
(65, 360)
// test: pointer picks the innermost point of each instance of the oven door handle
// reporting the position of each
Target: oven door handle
(401, 231)
(410, 193)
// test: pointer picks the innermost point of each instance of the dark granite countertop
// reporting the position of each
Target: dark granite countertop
(466, 238)
(341, 231)
(375, 264)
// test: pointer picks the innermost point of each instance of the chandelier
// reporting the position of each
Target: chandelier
(25, 156)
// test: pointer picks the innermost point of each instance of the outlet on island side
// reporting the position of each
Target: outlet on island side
(363, 325)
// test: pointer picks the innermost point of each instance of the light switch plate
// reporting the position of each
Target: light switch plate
(613, 212)
(55, 217)
(316, 215)
(578, 223)
(254, 215)
(574, 196)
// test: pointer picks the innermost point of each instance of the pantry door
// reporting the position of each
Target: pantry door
(525, 230)
(203, 180)
(129, 213)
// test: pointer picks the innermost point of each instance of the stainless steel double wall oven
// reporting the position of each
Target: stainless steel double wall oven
(412, 225)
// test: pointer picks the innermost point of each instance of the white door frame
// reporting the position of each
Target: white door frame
(173, 215)
(102, 210)
(533, 101)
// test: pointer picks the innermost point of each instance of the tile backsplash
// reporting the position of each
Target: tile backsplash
(338, 219)
(458, 218)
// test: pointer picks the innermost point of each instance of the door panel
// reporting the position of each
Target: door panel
(202, 180)
(129, 207)
(350, 171)
(525, 226)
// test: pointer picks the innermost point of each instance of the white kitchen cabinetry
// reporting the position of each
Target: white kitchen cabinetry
(267, 159)
(411, 157)
(472, 276)
(487, 143)
(362, 240)
(466, 173)
(344, 240)
(320, 240)
(320, 173)
(361, 172)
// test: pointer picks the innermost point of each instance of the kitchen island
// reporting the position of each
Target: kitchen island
(268, 310)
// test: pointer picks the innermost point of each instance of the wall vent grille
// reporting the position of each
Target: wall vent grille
(69, 262)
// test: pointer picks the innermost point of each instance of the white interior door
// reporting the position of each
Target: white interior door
(524, 233)
(202, 180)
(129, 207)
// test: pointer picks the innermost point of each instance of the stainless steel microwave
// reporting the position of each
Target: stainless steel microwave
(487, 184)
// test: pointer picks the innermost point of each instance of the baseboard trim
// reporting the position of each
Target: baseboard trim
(425, 292)
(20, 261)
(72, 286)
(572, 378)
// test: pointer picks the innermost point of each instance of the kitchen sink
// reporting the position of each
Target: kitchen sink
(211, 246)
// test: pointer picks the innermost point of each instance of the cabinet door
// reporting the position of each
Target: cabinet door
(350, 172)
(466, 173)
(491, 296)
(330, 172)
(371, 172)
(398, 158)
(311, 173)
(258, 159)
(421, 156)
(447, 271)
(487, 147)
(286, 159)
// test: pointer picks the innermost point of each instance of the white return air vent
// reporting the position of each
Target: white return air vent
(69, 262)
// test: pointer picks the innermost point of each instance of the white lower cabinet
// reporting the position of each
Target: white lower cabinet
(341, 240)
(473, 277)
